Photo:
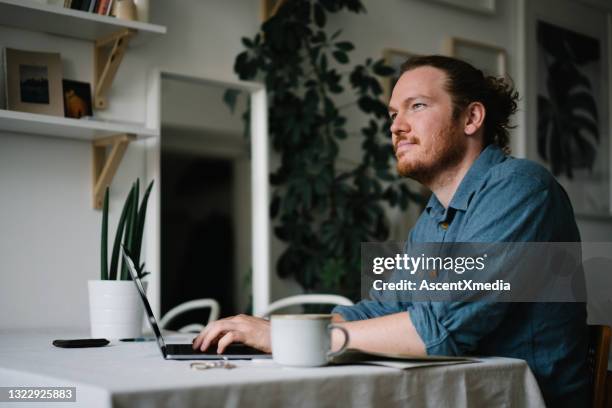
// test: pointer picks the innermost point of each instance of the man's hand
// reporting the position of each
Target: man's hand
(252, 331)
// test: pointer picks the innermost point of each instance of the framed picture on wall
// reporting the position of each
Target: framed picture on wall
(490, 59)
(567, 99)
(34, 81)
(394, 58)
(269, 8)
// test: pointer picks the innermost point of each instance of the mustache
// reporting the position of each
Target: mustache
(411, 139)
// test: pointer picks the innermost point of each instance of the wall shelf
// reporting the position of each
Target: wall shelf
(79, 129)
(102, 135)
(110, 37)
(32, 16)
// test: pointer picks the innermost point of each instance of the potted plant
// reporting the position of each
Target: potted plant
(115, 309)
(323, 208)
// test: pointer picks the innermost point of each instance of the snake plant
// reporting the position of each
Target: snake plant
(129, 229)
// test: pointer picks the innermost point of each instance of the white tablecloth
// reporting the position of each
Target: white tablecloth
(136, 375)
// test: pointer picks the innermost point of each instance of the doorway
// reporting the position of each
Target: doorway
(205, 200)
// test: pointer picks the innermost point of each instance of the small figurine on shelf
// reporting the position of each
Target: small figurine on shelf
(77, 99)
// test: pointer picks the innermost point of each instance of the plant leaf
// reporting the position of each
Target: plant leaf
(381, 69)
(319, 15)
(129, 227)
(104, 239)
(341, 57)
(230, 97)
(142, 214)
(112, 275)
(345, 46)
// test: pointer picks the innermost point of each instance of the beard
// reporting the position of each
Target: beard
(447, 149)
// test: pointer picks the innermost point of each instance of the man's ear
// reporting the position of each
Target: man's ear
(474, 118)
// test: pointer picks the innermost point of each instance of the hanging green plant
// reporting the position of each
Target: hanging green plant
(322, 211)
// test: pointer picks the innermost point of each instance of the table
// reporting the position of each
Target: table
(135, 375)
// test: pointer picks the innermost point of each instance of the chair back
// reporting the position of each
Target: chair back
(309, 299)
(599, 349)
(188, 306)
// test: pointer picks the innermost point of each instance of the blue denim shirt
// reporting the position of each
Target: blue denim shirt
(502, 199)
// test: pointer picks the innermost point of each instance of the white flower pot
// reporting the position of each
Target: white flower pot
(115, 309)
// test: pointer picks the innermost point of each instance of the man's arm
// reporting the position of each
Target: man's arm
(393, 333)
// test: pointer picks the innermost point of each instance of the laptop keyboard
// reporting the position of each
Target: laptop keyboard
(232, 349)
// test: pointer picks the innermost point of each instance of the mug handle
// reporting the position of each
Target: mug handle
(342, 349)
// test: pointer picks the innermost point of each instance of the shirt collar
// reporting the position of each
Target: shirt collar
(490, 156)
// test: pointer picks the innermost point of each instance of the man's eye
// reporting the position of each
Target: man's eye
(418, 105)
(392, 116)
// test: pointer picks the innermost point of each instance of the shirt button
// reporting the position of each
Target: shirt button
(444, 225)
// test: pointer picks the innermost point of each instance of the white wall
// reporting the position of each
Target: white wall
(50, 235)
(49, 243)
(49, 231)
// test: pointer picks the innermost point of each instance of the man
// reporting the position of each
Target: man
(450, 133)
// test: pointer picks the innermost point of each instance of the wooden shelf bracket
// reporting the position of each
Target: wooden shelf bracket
(108, 53)
(104, 168)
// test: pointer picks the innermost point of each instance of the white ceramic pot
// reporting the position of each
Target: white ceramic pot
(115, 309)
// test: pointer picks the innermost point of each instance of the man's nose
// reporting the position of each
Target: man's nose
(400, 125)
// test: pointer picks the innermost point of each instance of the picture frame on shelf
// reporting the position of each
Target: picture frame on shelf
(491, 59)
(394, 58)
(33, 81)
(77, 99)
(567, 96)
(269, 8)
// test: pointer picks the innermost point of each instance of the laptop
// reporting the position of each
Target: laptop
(234, 351)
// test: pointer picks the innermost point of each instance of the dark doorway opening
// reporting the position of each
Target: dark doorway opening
(197, 233)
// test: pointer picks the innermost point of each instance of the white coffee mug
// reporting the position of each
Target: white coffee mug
(304, 340)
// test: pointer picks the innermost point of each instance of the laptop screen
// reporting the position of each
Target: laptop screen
(138, 283)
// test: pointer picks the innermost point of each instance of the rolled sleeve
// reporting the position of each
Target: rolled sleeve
(368, 309)
(350, 313)
(454, 329)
